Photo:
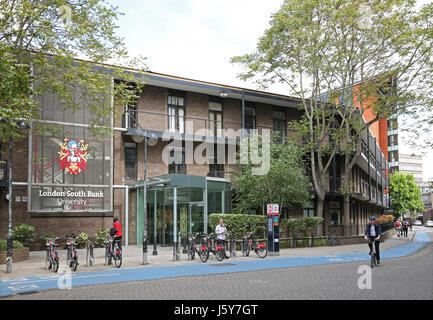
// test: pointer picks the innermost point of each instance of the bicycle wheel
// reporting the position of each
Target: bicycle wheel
(109, 257)
(118, 258)
(74, 265)
(192, 251)
(219, 254)
(56, 264)
(204, 255)
(262, 250)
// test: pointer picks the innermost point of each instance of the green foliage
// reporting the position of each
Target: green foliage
(15, 245)
(405, 194)
(301, 225)
(24, 233)
(285, 183)
(38, 43)
(341, 58)
(82, 240)
(101, 237)
(239, 224)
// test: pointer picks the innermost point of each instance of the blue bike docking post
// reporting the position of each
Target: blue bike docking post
(273, 230)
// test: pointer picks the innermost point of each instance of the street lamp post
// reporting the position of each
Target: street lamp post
(9, 250)
(145, 202)
(22, 124)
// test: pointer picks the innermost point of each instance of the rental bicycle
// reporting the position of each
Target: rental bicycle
(260, 248)
(201, 250)
(333, 240)
(218, 251)
(113, 251)
(52, 261)
(72, 254)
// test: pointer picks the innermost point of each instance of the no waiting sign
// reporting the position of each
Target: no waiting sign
(273, 209)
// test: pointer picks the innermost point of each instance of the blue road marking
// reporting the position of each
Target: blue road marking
(13, 285)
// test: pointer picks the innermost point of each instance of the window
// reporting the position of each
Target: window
(216, 169)
(250, 117)
(309, 210)
(176, 162)
(334, 213)
(176, 114)
(279, 120)
(215, 117)
(130, 161)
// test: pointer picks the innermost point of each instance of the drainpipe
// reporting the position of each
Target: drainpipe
(243, 112)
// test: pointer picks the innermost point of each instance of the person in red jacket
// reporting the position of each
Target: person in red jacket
(118, 234)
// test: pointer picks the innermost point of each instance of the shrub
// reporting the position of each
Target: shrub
(82, 240)
(301, 225)
(101, 236)
(239, 224)
(385, 218)
(24, 233)
(16, 245)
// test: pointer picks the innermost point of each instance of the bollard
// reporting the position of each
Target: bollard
(106, 254)
(92, 257)
(87, 255)
(188, 247)
(145, 250)
(47, 262)
(312, 239)
(244, 242)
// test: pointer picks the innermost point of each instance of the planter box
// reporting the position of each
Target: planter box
(17, 255)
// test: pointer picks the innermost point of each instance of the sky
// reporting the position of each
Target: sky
(196, 38)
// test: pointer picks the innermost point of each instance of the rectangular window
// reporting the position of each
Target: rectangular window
(176, 114)
(279, 124)
(176, 162)
(250, 117)
(216, 169)
(334, 213)
(215, 117)
(309, 210)
(130, 161)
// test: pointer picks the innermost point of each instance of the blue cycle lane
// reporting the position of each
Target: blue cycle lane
(10, 286)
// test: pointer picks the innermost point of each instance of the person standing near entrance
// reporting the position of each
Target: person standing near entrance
(220, 232)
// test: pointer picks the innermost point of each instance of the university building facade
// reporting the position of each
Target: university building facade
(66, 179)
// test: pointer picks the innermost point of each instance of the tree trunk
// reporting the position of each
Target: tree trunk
(346, 214)
(321, 227)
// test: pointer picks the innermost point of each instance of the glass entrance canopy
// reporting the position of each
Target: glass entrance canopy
(178, 205)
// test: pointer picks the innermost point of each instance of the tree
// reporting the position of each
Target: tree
(285, 183)
(405, 194)
(343, 58)
(40, 42)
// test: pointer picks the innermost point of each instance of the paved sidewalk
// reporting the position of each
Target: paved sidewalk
(132, 257)
(21, 281)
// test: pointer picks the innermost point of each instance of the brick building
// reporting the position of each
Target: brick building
(178, 115)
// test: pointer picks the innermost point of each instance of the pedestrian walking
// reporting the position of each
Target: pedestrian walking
(405, 228)
(398, 227)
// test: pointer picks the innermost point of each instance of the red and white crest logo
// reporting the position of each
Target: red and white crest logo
(73, 156)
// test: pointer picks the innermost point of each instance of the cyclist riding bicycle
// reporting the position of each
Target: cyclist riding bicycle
(116, 232)
(373, 234)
